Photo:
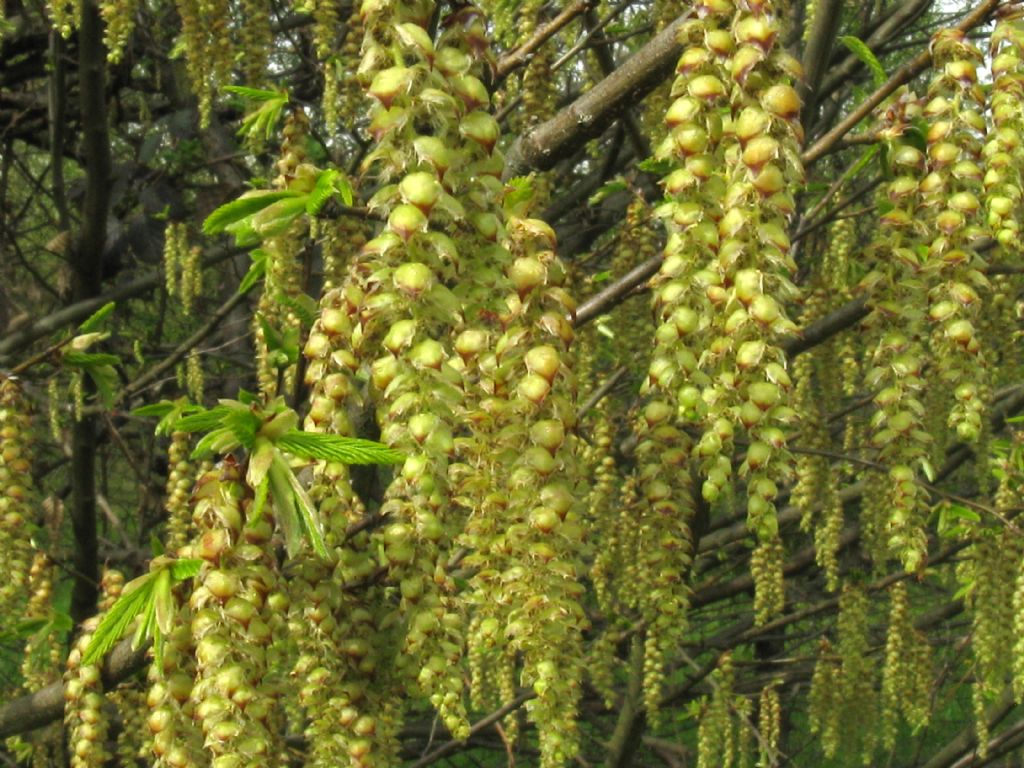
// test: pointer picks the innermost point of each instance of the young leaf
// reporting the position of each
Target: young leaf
(160, 409)
(656, 166)
(284, 506)
(275, 218)
(218, 441)
(303, 305)
(203, 421)
(323, 190)
(256, 94)
(308, 518)
(606, 191)
(243, 424)
(89, 359)
(163, 601)
(92, 323)
(249, 204)
(105, 379)
(185, 568)
(257, 270)
(343, 189)
(346, 450)
(116, 621)
(859, 49)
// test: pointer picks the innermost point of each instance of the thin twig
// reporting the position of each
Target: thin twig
(450, 746)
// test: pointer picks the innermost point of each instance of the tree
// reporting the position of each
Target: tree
(630, 383)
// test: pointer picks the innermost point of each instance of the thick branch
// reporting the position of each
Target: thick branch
(967, 739)
(88, 269)
(827, 14)
(904, 74)
(46, 705)
(592, 112)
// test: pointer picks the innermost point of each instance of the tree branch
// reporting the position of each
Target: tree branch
(592, 112)
(904, 74)
(42, 707)
(88, 270)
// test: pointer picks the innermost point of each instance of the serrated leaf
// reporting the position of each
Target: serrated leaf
(519, 194)
(256, 94)
(204, 420)
(304, 306)
(218, 441)
(249, 204)
(94, 320)
(185, 568)
(115, 622)
(860, 49)
(243, 424)
(656, 166)
(345, 450)
(323, 190)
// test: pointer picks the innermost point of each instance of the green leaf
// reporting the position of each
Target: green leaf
(106, 381)
(115, 622)
(160, 409)
(860, 49)
(277, 217)
(323, 190)
(862, 162)
(163, 601)
(309, 520)
(243, 424)
(89, 359)
(343, 189)
(606, 191)
(284, 506)
(262, 492)
(249, 204)
(276, 341)
(257, 270)
(245, 397)
(204, 420)
(260, 459)
(218, 441)
(519, 194)
(304, 306)
(656, 166)
(94, 320)
(345, 450)
(185, 568)
(255, 94)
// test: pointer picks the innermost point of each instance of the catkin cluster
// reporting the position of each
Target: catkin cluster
(16, 498)
(951, 195)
